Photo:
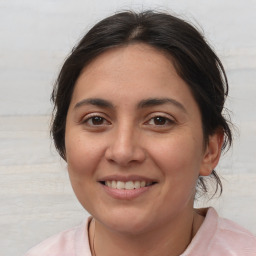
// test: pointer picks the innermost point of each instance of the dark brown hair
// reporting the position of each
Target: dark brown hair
(194, 60)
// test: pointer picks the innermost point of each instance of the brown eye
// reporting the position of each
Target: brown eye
(159, 120)
(97, 120)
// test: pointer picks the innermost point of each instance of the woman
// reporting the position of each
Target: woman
(138, 119)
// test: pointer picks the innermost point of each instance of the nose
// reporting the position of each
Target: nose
(125, 147)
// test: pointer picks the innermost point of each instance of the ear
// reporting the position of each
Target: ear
(212, 153)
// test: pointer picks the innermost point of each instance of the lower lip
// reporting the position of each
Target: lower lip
(126, 194)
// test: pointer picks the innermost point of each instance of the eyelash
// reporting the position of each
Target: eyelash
(167, 121)
(90, 117)
(104, 122)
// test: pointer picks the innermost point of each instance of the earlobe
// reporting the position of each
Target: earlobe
(212, 153)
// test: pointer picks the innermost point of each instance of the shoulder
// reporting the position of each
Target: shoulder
(232, 236)
(219, 236)
(65, 243)
(61, 243)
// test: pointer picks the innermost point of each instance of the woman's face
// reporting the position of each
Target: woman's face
(134, 140)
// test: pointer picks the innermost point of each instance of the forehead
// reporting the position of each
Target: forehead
(133, 58)
(131, 72)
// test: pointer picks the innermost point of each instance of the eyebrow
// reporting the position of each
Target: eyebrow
(161, 101)
(142, 104)
(96, 102)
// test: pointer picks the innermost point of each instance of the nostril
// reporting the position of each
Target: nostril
(125, 156)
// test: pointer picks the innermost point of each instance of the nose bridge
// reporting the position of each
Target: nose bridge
(125, 146)
(125, 138)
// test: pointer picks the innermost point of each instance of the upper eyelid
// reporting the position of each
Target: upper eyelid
(93, 114)
(161, 114)
(84, 119)
(169, 121)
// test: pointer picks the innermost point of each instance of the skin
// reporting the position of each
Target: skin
(127, 138)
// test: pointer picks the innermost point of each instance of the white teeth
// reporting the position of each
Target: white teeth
(129, 185)
(120, 185)
(143, 184)
(137, 184)
(113, 184)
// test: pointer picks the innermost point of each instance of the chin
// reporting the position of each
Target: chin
(126, 221)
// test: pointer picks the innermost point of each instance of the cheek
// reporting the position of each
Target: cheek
(83, 154)
(179, 156)
(179, 161)
(83, 157)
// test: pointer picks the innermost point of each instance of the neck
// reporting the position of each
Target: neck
(168, 240)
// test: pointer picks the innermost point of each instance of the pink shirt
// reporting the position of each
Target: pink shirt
(216, 237)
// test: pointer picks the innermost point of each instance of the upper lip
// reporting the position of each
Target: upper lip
(126, 178)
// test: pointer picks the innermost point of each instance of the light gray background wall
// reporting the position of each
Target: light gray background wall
(35, 36)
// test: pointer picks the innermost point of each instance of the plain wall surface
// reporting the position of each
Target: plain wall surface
(35, 37)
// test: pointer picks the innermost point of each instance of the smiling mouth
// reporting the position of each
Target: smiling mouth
(128, 185)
